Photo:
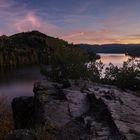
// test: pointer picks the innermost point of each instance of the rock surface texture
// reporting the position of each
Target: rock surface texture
(21, 134)
(83, 111)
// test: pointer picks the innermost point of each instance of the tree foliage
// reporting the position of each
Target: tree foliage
(27, 48)
(68, 63)
(95, 69)
(125, 77)
(72, 62)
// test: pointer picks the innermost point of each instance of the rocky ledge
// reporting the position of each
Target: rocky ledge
(79, 110)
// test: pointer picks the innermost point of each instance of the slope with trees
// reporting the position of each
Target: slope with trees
(27, 48)
(131, 49)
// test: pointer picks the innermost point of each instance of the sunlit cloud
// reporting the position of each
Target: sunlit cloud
(21, 19)
(103, 36)
(32, 22)
(27, 23)
(89, 37)
(91, 21)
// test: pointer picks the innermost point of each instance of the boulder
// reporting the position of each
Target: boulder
(124, 109)
(100, 112)
(77, 102)
(23, 112)
(58, 105)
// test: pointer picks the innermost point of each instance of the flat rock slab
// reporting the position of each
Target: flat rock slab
(106, 110)
(77, 101)
(124, 108)
(57, 112)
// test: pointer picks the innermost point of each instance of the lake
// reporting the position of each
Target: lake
(116, 59)
(19, 82)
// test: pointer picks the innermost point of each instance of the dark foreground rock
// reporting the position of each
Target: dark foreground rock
(23, 112)
(20, 135)
(83, 111)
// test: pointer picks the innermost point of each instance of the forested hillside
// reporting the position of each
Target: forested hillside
(134, 52)
(27, 48)
(132, 49)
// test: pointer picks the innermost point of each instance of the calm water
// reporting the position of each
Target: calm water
(116, 59)
(19, 82)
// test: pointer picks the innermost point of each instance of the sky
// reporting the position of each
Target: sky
(77, 21)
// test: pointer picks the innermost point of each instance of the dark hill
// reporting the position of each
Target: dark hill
(134, 52)
(32, 39)
(132, 49)
(27, 48)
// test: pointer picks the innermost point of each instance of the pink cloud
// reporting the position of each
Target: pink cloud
(111, 29)
(32, 22)
(29, 22)
(86, 36)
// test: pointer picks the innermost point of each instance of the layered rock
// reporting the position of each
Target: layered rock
(124, 108)
(83, 111)
(57, 105)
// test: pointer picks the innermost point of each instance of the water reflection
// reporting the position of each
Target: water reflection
(19, 81)
(116, 59)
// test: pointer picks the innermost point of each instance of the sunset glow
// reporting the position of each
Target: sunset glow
(83, 21)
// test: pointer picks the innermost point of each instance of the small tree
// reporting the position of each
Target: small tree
(68, 63)
(110, 74)
(72, 62)
(95, 70)
(125, 77)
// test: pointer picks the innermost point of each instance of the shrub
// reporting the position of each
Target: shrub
(72, 62)
(94, 71)
(67, 63)
(125, 77)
